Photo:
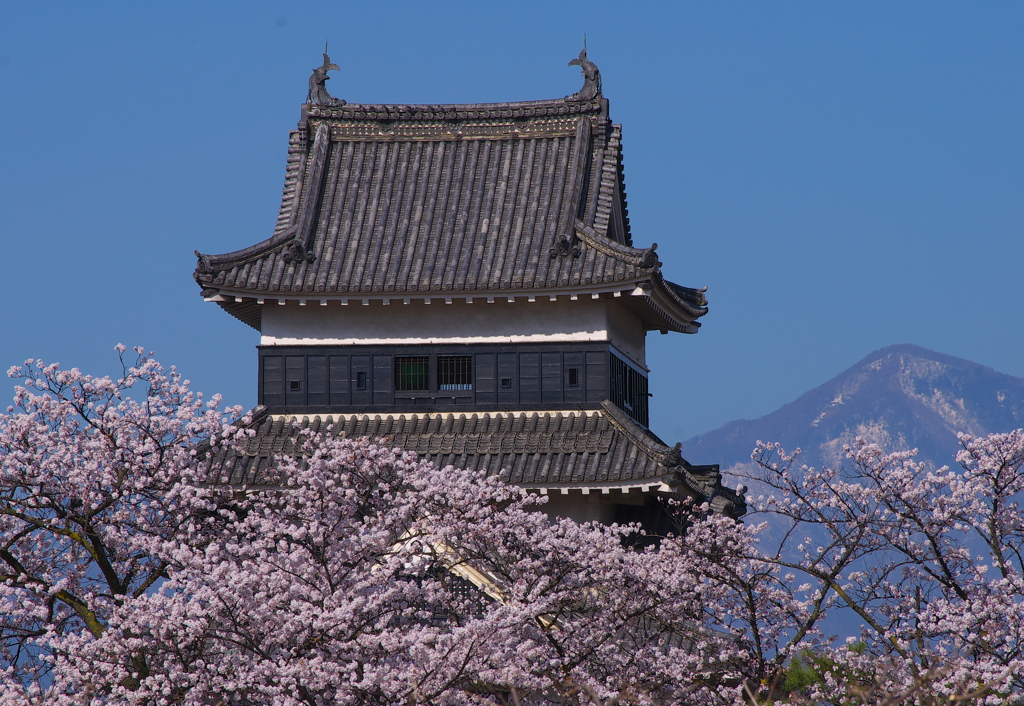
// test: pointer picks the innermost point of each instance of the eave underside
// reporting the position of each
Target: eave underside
(657, 303)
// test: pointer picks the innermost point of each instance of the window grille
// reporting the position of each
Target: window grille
(629, 390)
(454, 372)
(411, 373)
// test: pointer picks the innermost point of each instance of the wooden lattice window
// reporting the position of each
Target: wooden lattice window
(629, 390)
(454, 372)
(411, 373)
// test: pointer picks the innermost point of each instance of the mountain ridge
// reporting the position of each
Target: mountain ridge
(902, 396)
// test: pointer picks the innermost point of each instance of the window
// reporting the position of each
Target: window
(295, 386)
(411, 373)
(629, 390)
(454, 372)
(506, 383)
(361, 380)
(574, 377)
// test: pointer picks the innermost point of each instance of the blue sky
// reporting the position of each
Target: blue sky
(843, 176)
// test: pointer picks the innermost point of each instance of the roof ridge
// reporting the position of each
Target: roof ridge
(565, 243)
(641, 437)
(455, 111)
(609, 175)
(214, 263)
(638, 257)
(299, 235)
(668, 457)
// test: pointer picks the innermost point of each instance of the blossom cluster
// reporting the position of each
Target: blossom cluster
(926, 561)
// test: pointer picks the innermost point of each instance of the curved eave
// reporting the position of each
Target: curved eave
(662, 305)
(691, 300)
(213, 263)
(662, 309)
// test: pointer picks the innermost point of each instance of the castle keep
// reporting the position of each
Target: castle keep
(461, 280)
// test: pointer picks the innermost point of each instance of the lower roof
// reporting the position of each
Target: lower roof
(601, 450)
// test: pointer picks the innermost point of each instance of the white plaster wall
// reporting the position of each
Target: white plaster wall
(582, 508)
(437, 322)
(626, 332)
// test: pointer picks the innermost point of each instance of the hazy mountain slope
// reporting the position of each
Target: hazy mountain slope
(901, 397)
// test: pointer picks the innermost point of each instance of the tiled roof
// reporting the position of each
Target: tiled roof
(539, 449)
(447, 199)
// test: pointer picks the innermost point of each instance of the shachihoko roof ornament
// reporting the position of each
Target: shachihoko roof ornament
(318, 94)
(591, 78)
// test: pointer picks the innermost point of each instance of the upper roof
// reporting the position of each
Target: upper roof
(412, 200)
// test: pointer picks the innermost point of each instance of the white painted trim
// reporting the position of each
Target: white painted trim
(647, 485)
(626, 287)
(587, 337)
(441, 415)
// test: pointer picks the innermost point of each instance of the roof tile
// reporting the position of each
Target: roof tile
(540, 448)
(412, 199)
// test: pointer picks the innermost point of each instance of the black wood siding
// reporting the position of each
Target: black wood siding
(360, 379)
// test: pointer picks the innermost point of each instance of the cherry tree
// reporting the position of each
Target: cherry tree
(927, 561)
(352, 573)
(83, 469)
(360, 575)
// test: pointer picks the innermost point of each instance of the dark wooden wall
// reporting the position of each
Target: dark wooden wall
(361, 379)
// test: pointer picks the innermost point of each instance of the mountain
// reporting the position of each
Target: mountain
(900, 397)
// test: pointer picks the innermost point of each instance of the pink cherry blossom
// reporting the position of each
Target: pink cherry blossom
(131, 572)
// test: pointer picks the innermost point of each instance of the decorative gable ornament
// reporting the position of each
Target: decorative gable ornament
(318, 94)
(591, 78)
